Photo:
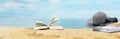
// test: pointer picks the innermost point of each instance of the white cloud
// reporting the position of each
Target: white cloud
(2, 8)
(17, 5)
(10, 5)
(31, 6)
(85, 3)
(105, 2)
(54, 1)
(14, 5)
(31, 1)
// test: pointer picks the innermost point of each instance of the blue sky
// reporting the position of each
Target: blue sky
(80, 9)
(65, 9)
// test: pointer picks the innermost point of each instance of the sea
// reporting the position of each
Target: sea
(30, 22)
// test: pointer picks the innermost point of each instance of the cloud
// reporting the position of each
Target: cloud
(54, 1)
(31, 1)
(105, 3)
(85, 3)
(10, 5)
(32, 6)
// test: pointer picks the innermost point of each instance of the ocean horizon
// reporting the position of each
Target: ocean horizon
(30, 22)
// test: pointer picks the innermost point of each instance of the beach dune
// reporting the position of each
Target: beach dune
(29, 33)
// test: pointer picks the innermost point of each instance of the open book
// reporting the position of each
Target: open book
(43, 26)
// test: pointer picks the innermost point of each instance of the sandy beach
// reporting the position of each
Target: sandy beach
(28, 33)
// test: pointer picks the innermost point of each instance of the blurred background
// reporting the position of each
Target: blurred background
(72, 13)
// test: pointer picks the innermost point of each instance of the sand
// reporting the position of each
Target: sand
(28, 33)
